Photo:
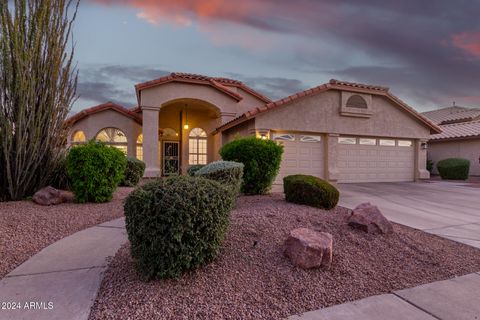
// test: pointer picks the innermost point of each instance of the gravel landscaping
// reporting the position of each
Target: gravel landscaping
(251, 279)
(26, 227)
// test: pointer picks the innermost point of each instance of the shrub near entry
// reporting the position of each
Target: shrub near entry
(227, 172)
(176, 224)
(261, 159)
(133, 172)
(454, 168)
(310, 190)
(95, 170)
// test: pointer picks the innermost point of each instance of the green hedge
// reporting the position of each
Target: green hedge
(454, 168)
(310, 190)
(261, 159)
(176, 224)
(227, 172)
(95, 171)
(133, 172)
(194, 168)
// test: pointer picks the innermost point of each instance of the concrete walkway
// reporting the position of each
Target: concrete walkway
(454, 299)
(61, 281)
(447, 209)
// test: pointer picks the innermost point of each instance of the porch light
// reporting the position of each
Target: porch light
(185, 126)
(263, 137)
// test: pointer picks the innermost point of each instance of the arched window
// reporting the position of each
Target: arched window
(197, 146)
(169, 133)
(79, 137)
(356, 101)
(140, 147)
(113, 137)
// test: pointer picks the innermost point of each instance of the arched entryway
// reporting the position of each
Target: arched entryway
(184, 139)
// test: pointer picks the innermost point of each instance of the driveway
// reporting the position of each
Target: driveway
(447, 209)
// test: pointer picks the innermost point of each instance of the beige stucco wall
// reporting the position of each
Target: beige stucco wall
(321, 113)
(468, 149)
(227, 105)
(92, 124)
(244, 129)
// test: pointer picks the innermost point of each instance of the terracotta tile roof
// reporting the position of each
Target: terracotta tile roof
(332, 85)
(221, 84)
(453, 114)
(459, 131)
(102, 107)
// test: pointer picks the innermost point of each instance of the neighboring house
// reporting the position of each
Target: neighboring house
(339, 131)
(460, 137)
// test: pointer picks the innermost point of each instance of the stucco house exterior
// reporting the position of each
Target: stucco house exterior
(340, 131)
(460, 137)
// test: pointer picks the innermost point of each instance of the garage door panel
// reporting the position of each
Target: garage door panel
(300, 158)
(375, 163)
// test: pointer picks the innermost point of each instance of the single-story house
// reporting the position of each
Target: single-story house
(339, 131)
(460, 137)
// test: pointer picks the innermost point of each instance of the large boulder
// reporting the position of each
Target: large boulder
(368, 218)
(50, 196)
(307, 248)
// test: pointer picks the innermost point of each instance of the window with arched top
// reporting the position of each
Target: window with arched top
(113, 137)
(357, 101)
(140, 147)
(169, 133)
(79, 137)
(197, 146)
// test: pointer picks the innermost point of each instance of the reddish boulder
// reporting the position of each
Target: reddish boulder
(368, 218)
(48, 196)
(308, 248)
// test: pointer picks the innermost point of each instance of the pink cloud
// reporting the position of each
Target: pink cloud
(468, 42)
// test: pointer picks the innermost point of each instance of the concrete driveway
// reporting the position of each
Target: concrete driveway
(447, 209)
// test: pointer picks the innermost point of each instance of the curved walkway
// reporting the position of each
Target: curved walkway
(62, 280)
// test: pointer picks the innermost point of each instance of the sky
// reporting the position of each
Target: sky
(426, 51)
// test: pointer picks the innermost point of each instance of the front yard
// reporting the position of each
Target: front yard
(27, 228)
(251, 278)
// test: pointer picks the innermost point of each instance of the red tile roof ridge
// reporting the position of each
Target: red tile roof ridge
(101, 107)
(358, 85)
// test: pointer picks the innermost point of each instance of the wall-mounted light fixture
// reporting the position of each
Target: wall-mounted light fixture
(424, 146)
(185, 126)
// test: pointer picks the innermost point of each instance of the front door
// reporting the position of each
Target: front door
(171, 160)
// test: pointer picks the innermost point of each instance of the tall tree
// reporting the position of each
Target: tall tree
(37, 89)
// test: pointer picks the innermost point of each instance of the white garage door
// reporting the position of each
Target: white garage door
(375, 160)
(302, 154)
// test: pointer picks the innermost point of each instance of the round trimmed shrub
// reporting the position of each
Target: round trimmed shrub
(95, 170)
(310, 190)
(133, 172)
(194, 168)
(176, 224)
(454, 168)
(227, 172)
(261, 160)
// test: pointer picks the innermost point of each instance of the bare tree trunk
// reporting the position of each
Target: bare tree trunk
(37, 89)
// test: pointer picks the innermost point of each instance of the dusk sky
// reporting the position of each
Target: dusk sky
(427, 52)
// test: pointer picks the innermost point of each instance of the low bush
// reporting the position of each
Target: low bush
(227, 172)
(194, 168)
(133, 172)
(95, 171)
(310, 190)
(454, 168)
(59, 178)
(176, 224)
(261, 160)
